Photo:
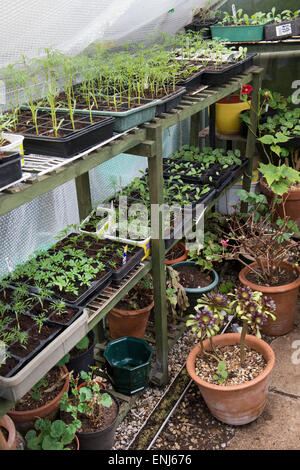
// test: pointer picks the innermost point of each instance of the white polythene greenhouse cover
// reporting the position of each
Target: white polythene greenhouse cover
(30, 26)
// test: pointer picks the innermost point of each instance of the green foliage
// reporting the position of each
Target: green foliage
(85, 399)
(221, 375)
(279, 178)
(48, 435)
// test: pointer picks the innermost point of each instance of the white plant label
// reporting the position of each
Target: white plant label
(9, 265)
(284, 29)
(233, 10)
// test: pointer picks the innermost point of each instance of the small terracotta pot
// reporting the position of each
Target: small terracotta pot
(291, 202)
(24, 420)
(7, 423)
(181, 245)
(128, 322)
(285, 298)
(235, 404)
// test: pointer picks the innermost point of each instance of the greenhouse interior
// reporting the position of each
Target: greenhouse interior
(150, 227)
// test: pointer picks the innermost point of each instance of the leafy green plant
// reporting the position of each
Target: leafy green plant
(47, 435)
(6, 123)
(85, 400)
(221, 374)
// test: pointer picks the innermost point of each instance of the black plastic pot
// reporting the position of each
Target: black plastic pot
(99, 440)
(72, 144)
(83, 360)
(219, 77)
(203, 26)
(170, 101)
(10, 169)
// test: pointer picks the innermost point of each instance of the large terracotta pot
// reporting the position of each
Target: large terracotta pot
(291, 202)
(235, 404)
(7, 423)
(285, 298)
(182, 246)
(128, 322)
(24, 420)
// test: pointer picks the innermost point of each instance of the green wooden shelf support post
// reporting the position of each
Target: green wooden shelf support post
(83, 191)
(160, 375)
(251, 136)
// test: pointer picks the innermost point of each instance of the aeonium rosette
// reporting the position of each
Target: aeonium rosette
(251, 307)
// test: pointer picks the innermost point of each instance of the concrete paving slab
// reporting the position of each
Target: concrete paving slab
(286, 373)
(278, 428)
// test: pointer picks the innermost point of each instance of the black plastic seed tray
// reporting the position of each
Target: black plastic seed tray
(219, 77)
(170, 101)
(72, 144)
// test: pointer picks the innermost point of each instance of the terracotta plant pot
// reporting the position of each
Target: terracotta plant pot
(235, 404)
(182, 246)
(7, 423)
(128, 322)
(24, 420)
(285, 298)
(290, 204)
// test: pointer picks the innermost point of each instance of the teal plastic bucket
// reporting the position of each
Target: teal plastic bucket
(194, 294)
(239, 33)
(128, 361)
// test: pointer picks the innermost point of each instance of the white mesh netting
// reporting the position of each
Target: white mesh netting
(29, 26)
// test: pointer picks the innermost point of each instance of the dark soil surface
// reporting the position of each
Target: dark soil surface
(137, 298)
(23, 351)
(286, 277)
(10, 364)
(192, 277)
(175, 253)
(49, 390)
(192, 427)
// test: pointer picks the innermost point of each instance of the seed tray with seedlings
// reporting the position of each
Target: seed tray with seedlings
(101, 252)
(68, 274)
(22, 334)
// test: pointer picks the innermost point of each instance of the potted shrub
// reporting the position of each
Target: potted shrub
(42, 401)
(7, 433)
(270, 245)
(232, 370)
(130, 316)
(55, 435)
(92, 410)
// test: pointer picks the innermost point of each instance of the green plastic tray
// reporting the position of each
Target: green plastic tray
(243, 33)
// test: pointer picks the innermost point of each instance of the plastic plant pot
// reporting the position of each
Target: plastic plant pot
(238, 33)
(228, 114)
(128, 364)
(195, 293)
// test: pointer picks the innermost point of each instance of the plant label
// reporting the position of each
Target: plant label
(233, 10)
(284, 29)
(9, 265)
